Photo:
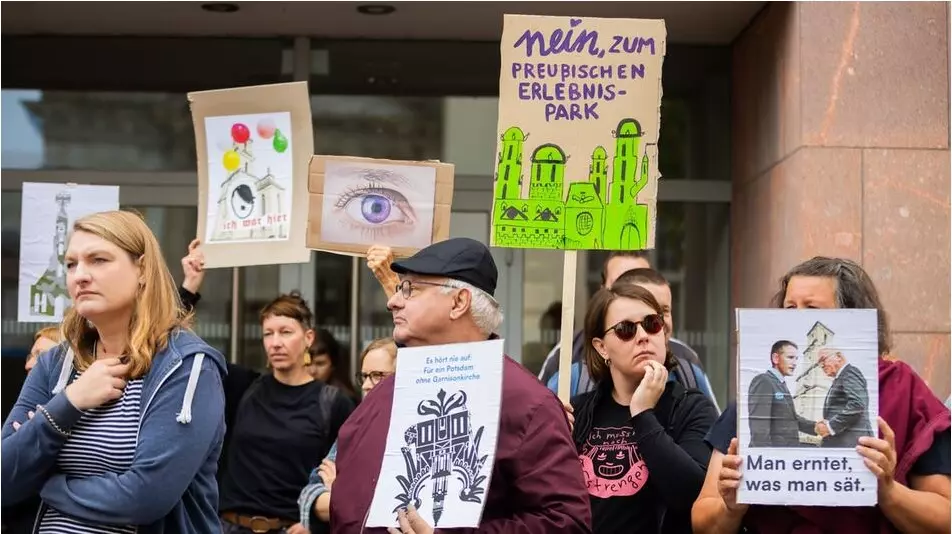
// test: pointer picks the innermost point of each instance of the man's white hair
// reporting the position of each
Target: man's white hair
(487, 313)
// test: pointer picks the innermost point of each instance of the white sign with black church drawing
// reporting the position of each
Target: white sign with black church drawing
(441, 444)
(48, 211)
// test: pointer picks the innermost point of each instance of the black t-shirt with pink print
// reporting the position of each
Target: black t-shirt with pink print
(615, 474)
(643, 473)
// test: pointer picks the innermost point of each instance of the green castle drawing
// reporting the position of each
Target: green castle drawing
(595, 214)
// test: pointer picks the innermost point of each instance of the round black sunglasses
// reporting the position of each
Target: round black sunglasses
(625, 330)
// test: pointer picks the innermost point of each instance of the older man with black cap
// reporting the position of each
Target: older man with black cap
(445, 295)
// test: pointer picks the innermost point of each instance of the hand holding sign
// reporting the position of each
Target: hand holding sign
(729, 479)
(879, 455)
(411, 523)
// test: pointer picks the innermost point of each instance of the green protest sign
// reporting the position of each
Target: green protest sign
(579, 120)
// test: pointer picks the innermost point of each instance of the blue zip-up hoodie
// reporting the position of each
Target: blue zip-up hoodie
(170, 487)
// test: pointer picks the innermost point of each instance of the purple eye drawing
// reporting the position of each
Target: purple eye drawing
(375, 208)
(374, 204)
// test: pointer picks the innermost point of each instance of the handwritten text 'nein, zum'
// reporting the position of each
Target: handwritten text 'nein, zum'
(559, 82)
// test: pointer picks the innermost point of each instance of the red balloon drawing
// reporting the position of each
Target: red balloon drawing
(266, 128)
(240, 133)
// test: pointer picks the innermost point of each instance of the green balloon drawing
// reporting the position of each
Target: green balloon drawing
(280, 142)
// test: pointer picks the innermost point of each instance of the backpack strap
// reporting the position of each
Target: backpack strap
(328, 397)
(686, 373)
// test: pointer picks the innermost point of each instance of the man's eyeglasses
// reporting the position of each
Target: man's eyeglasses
(406, 286)
(625, 330)
(373, 376)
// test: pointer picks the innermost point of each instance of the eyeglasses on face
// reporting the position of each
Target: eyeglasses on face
(625, 330)
(373, 376)
(406, 286)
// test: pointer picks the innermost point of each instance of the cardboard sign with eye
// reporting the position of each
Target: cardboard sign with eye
(253, 144)
(359, 202)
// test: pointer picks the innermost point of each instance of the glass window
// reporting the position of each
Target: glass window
(391, 127)
(105, 131)
(542, 305)
(332, 292)
(672, 143)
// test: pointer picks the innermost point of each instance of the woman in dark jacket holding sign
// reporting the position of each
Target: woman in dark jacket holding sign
(640, 438)
(909, 456)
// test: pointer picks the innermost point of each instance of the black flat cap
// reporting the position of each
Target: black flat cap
(460, 258)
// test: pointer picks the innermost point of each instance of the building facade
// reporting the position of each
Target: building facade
(788, 130)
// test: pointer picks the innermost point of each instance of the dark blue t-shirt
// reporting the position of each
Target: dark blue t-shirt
(934, 461)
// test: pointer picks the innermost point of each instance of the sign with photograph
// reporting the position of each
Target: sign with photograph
(808, 390)
(358, 202)
(441, 444)
(47, 214)
(253, 144)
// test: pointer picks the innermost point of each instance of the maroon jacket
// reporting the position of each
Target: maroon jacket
(536, 484)
(915, 415)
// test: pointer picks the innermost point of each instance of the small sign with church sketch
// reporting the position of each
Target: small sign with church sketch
(441, 444)
(46, 219)
(253, 145)
(808, 390)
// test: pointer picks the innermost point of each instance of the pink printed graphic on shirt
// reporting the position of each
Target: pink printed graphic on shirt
(611, 464)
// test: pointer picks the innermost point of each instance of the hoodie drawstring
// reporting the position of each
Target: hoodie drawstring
(66, 370)
(185, 415)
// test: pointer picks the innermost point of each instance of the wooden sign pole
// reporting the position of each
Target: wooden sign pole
(569, 264)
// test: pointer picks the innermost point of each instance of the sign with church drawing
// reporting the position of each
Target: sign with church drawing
(441, 444)
(253, 145)
(808, 390)
(47, 214)
(579, 119)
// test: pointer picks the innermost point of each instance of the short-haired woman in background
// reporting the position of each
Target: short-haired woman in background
(285, 424)
(129, 410)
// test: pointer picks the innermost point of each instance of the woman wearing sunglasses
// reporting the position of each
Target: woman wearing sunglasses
(640, 438)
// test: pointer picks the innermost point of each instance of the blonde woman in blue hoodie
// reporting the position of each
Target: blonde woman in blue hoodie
(129, 409)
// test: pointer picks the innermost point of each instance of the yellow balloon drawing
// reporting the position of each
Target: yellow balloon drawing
(231, 160)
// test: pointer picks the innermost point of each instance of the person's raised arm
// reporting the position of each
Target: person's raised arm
(716, 510)
(379, 258)
(169, 455)
(193, 266)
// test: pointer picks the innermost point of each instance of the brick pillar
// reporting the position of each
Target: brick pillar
(841, 148)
